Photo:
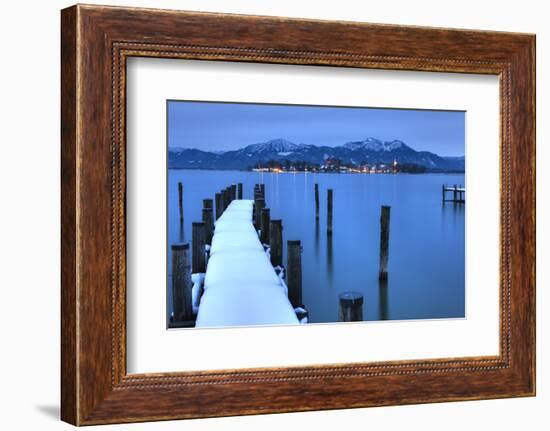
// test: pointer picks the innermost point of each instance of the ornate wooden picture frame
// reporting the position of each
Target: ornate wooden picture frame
(96, 41)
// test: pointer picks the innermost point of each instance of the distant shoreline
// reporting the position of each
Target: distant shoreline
(320, 173)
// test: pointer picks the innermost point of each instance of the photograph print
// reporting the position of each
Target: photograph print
(299, 214)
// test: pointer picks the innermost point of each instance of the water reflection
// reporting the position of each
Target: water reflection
(317, 239)
(329, 260)
(383, 308)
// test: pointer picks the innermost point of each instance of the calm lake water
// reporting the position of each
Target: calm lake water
(426, 251)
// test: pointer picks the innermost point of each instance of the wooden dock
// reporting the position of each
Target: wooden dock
(458, 193)
(241, 286)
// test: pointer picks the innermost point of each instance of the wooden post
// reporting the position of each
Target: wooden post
(233, 192)
(262, 190)
(228, 196)
(181, 283)
(180, 200)
(199, 238)
(384, 241)
(316, 201)
(329, 211)
(294, 264)
(265, 218)
(351, 307)
(454, 193)
(259, 205)
(219, 205)
(240, 191)
(225, 199)
(207, 203)
(443, 193)
(276, 242)
(208, 219)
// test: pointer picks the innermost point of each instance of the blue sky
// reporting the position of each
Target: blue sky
(214, 126)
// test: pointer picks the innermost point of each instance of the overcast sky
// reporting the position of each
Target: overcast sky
(212, 126)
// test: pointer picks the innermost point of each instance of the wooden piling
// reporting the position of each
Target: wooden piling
(264, 225)
(226, 197)
(443, 193)
(181, 283)
(294, 268)
(199, 241)
(207, 203)
(351, 307)
(233, 192)
(454, 193)
(259, 205)
(329, 211)
(384, 241)
(240, 191)
(316, 201)
(276, 242)
(208, 219)
(180, 200)
(219, 205)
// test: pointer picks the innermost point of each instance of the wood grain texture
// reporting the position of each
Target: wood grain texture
(96, 41)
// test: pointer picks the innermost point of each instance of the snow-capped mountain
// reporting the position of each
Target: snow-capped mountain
(374, 144)
(273, 146)
(370, 151)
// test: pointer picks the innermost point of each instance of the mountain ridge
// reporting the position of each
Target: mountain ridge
(366, 152)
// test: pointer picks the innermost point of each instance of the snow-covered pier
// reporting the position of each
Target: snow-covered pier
(459, 193)
(241, 286)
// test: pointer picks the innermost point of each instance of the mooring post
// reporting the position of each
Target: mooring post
(181, 283)
(218, 198)
(443, 193)
(207, 203)
(384, 241)
(233, 192)
(208, 219)
(240, 191)
(351, 307)
(329, 211)
(259, 205)
(226, 198)
(454, 192)
(180, 200)
(276, 242)
(199, 241)
(264, 225)
(262, 190)
(316, 201)
(294, 264)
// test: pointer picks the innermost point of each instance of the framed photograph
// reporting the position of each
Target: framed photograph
(264, 214)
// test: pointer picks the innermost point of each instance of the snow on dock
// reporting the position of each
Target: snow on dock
(241, 286)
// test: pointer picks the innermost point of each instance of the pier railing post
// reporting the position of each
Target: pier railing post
(351, 307)
(181, 283)
(208, 220)
(265, 218)
(329, 211)
(180, 201)
(199, 241)
(240, 191)
(276, 242)
(219, 205)
(259, 205)
(384, 241)
(294, 268)
(316, 201)
(207, 203)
